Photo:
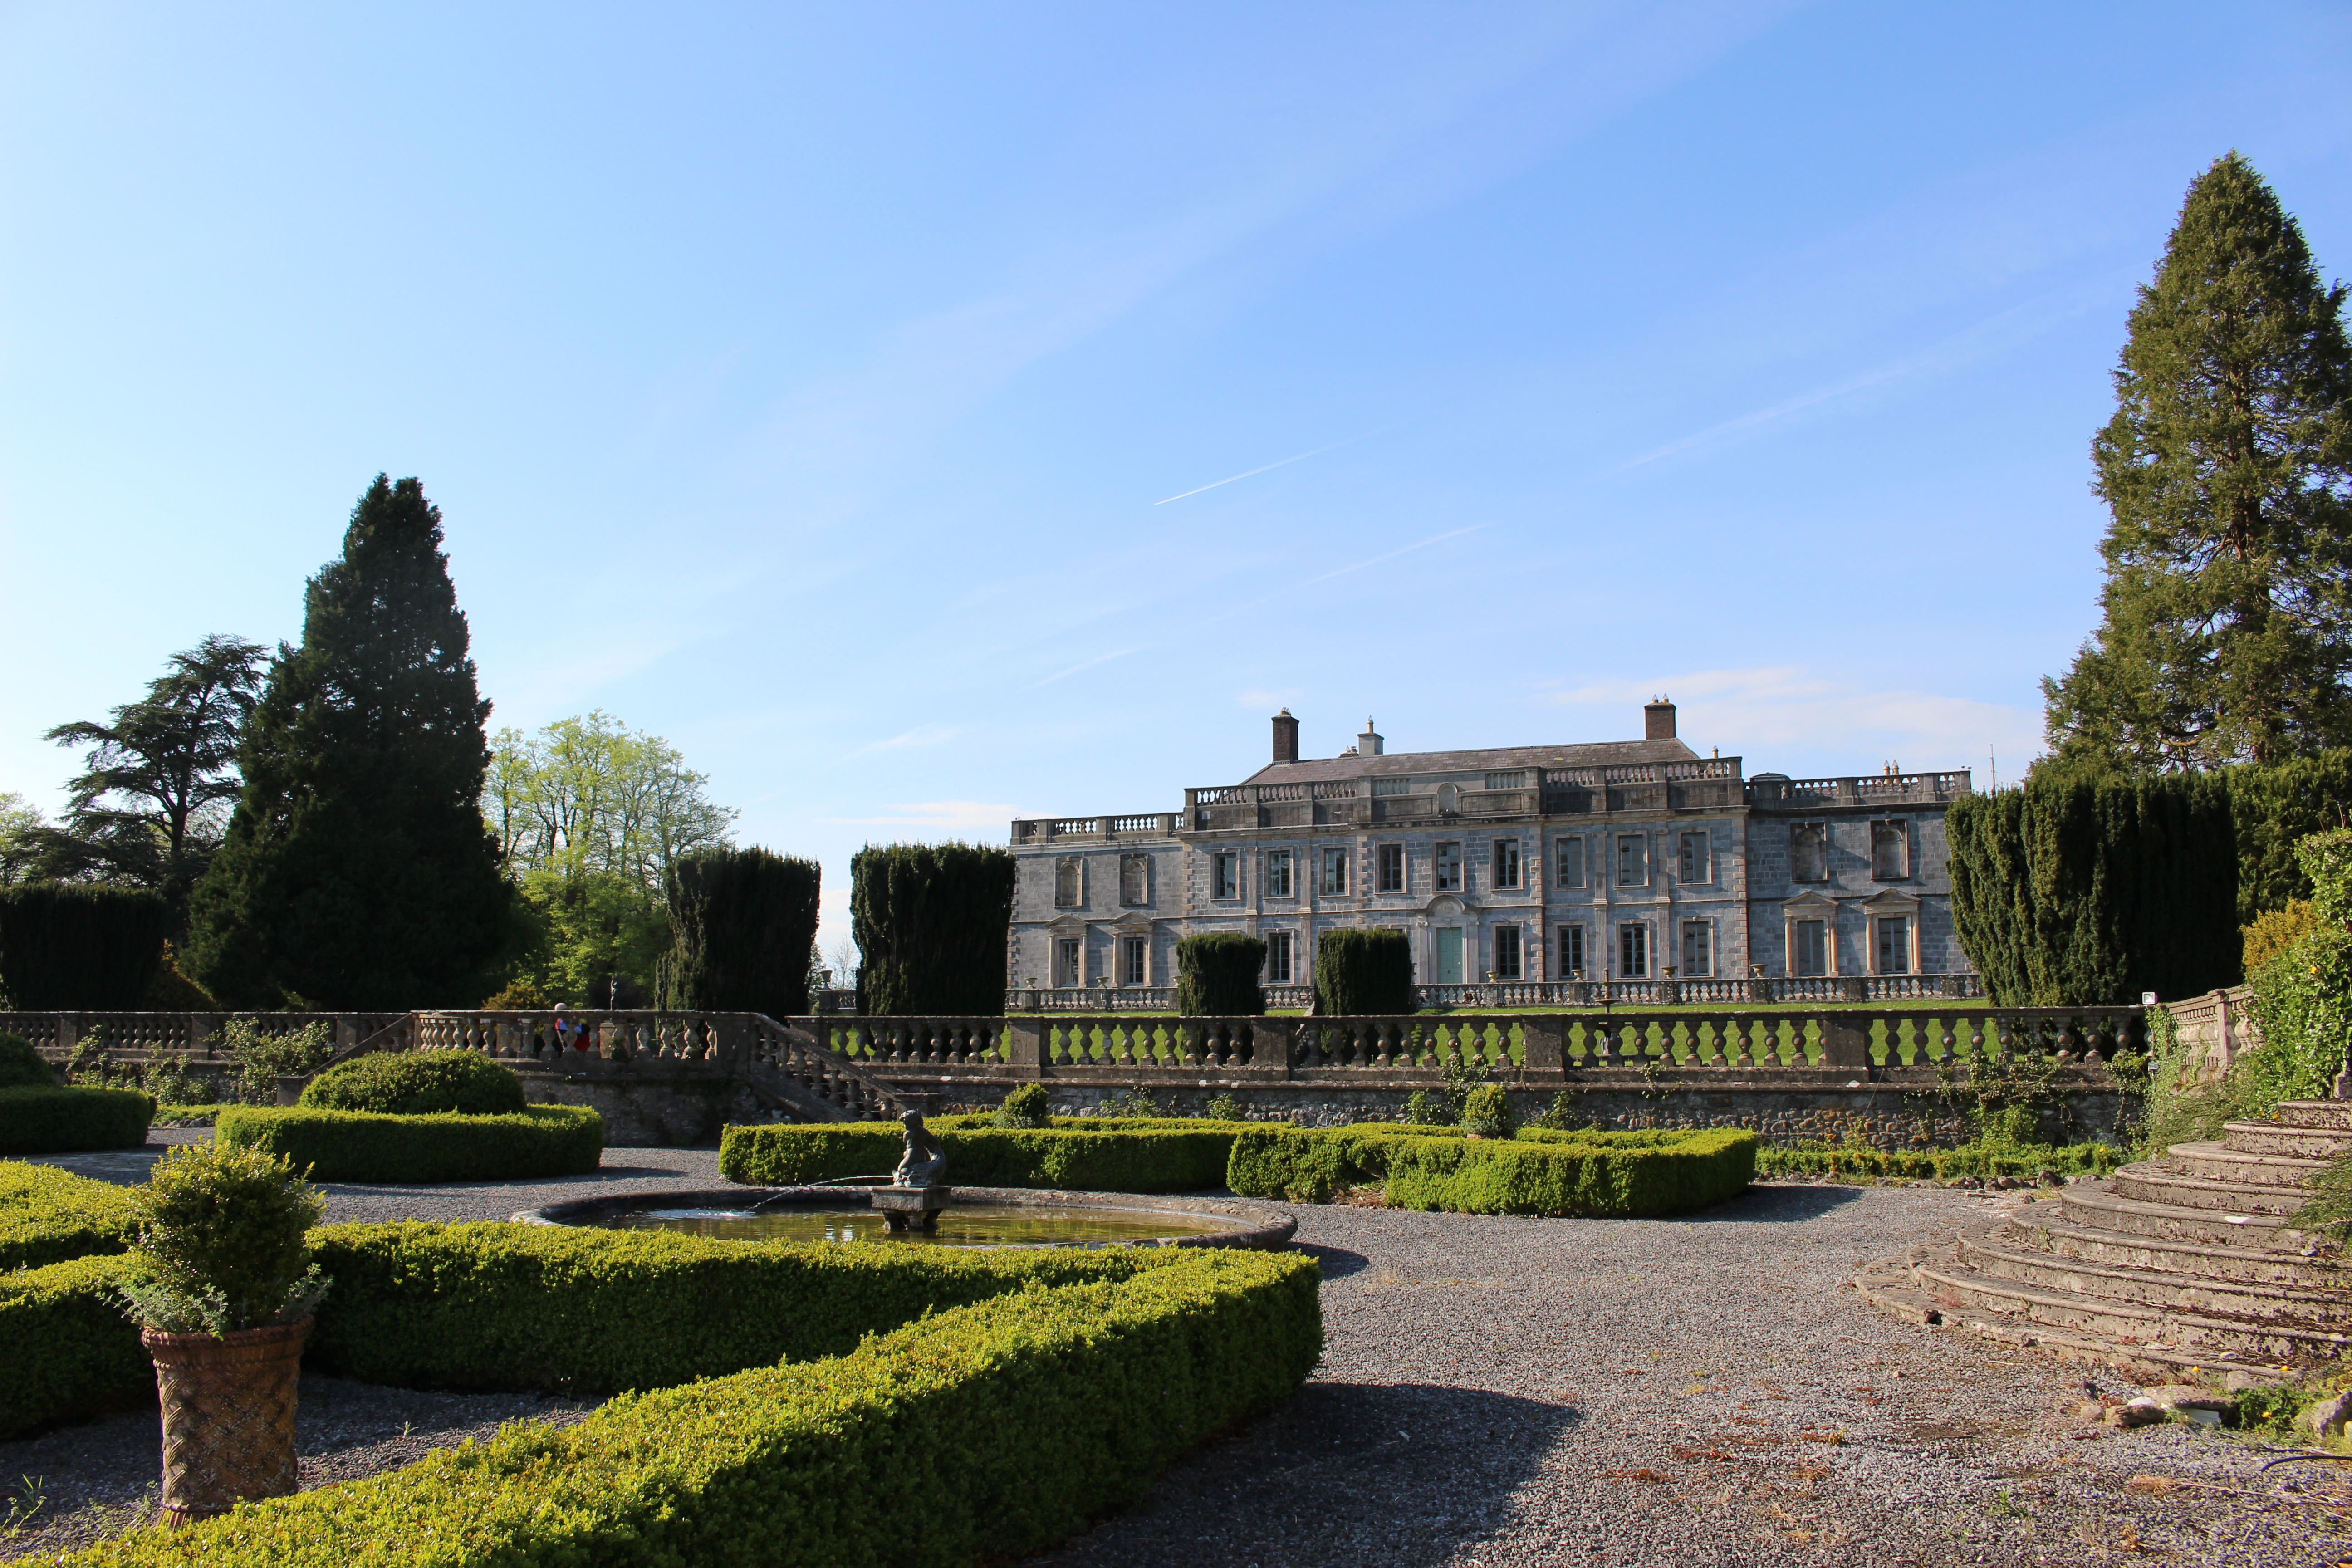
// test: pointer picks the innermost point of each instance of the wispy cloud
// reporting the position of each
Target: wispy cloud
(1356, 566)
(1255, 472)
(1770, 712)
(920, 735)
(1083, 664)
(938, 816)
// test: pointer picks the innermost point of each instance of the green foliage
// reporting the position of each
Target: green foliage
(931, 921)
(1178, 1156)
(263, 1058)
(418, 1083)
(2080, 890)
(2274, 931)
(2302, 996)
(1584, 1176)
(360, 1146)
(65, 1120)
(146, 809)
(1363, 972)
(798, 1463)
(2227, 630)
(1027, 1106)
(357, 872)
(2275, 807)
(1217, 975)
(72, 948)
(1223, 1107)
(47, 1215)
(219, 1241)
(2328, 1212)
(22, 829)
(71, 1352)
(1983, 1158)
(746, 921)
(1487, 1112)
(21, 1062)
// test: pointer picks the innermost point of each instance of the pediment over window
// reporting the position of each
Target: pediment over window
(1443, 904)
(1892, 901)
(1068, 922)
(1808, 902)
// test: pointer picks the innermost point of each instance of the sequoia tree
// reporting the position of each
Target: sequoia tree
(2227, 634)
(357, 871)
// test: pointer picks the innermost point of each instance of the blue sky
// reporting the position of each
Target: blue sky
(833, 390)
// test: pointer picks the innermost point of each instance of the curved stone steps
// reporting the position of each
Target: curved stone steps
(2335, 1114)
(2096, 1207)
(2005, 1249)
(2296, 1142)
(2248, 1265)
(2125, 1324)
(2219, 1162)
(2161, 1183)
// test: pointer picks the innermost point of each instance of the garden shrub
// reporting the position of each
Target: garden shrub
(1359, 973)
(262, 1058)
(1487, 1112)
(47, 1215)
(221, 1242)
(1571, 1178)
(1982, 1157)
(418, 1083)
(1309, 1165)
(1027, 1106)
(361, 1146)
(22, 1063)
(813, 1461)
(1216, 975)
(69, 1120)
(72, 1350)
(1184, 1157)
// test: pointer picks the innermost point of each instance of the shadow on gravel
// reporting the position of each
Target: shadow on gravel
(1337, 1261)
(1776, 1206)
(1344, 1474)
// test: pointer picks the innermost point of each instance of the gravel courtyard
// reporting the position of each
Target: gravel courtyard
(1522, 1390)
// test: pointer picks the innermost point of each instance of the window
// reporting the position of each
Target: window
(1277, 874)
(1335, 870)
(1571, 953)
(1506, 953)
(1228, 883)
(1392, 786)
(1567, 863)
(1391, 868)
(1134, 879)
(1517, 779)
(1134, 960)
(1695, 862)
(1066, 969)
(1278, 958)
(1069, 883)
(1634, 860)
(1813, 948)
(1507, 862)
(1698, 949)
(1890, 851)
(1809, 852)
(1632, 952)
(1894, 945)
(1449, 868)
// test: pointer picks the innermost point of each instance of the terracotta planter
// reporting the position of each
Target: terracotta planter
(228, 1415)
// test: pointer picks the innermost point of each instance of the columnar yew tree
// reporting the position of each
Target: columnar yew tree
(746, 925)
(357, 871)
(2225, 471)
(930, 922)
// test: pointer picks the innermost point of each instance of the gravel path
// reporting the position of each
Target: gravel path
(1503, 1391)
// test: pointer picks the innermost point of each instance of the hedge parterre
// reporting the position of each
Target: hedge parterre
(47, 1215)
(1154, 1157)
(448, 1146)
(35, 1120)
(1541, 1171)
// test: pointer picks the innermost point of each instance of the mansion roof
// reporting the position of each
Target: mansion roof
(1585, 754)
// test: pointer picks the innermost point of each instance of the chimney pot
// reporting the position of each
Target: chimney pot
(1658, 721)
(1286, 737)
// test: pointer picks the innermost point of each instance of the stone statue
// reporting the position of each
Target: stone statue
(924, 1159)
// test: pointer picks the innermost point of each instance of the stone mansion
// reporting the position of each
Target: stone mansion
(1606, 860)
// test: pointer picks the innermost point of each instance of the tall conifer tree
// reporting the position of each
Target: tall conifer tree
(2225, 471)
(357, 872)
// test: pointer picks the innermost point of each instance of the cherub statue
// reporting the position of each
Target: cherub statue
(924, 1159)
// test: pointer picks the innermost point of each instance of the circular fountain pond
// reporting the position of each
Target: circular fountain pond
(973, 1216)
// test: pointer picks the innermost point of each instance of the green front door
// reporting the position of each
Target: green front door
(1449, 955)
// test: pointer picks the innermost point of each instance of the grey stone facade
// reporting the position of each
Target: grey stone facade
(1611, 860)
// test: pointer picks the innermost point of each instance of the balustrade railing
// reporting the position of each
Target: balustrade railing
(1850, 988)
(195, 1036)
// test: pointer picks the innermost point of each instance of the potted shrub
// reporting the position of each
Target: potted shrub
(1487, 1113)
(223, 1288)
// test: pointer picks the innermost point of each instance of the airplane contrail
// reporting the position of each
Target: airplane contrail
(1254, 472)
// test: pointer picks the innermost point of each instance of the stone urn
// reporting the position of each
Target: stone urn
(228, 1415)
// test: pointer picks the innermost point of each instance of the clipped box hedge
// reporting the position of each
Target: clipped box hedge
(361, 1146)
(47, 1215)
(1540, 1173)
(72, 1351)
(37, 1120)
(1177, 1157)
(814, 1461)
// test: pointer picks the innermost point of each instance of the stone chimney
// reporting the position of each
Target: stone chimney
(1369, 743)
(1286, 737)
(1658, 720)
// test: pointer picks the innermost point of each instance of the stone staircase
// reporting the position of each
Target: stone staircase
(2184, 1261)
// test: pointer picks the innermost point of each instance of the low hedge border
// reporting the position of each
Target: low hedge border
(35, 1120)
(1541, 1171)
(814, 1462)
(1978, 1160)
(72, 1350)
(362, 1146)
(47, 1215)
(1160, 1159)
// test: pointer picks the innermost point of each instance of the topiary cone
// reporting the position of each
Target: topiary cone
(228, 1415)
